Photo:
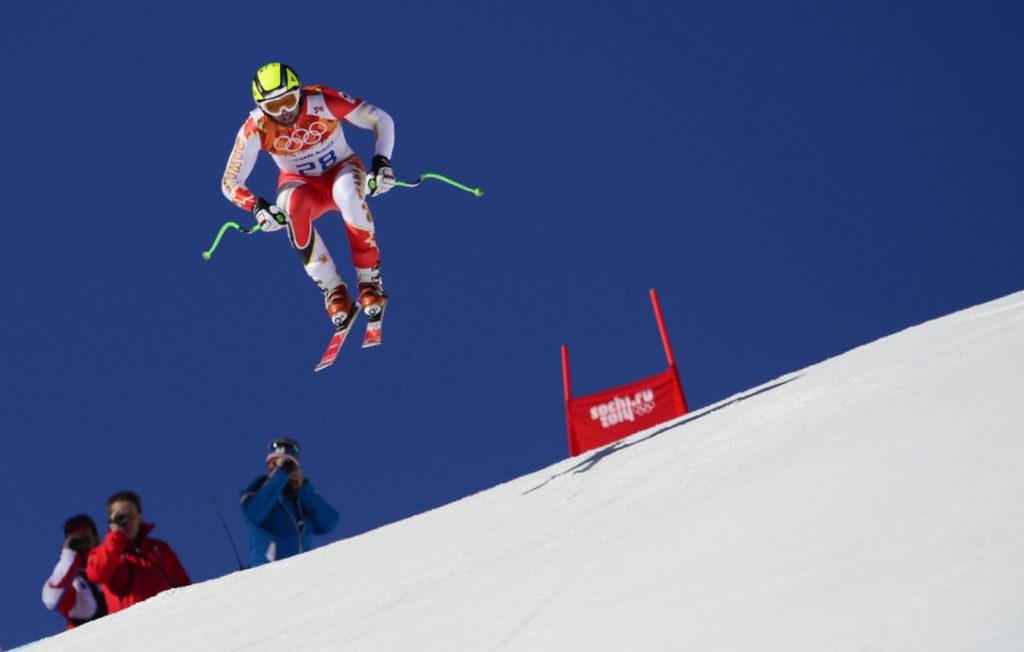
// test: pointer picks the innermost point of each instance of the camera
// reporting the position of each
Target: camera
(77, 545)
(288, 466)
(120, 518)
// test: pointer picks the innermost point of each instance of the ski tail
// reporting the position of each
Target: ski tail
(336, 342)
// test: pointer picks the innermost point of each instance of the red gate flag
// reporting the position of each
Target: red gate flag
(604, 417)
(608, 416)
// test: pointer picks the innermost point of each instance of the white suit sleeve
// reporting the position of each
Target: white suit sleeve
(61, 579)
(240, 166)
(368, 116)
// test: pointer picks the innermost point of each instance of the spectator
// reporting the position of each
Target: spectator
(129, 564)
(282, 510)
(68, 591)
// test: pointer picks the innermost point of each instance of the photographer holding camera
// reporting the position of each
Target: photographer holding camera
(129, 564)
(68, 591)
(282, 511)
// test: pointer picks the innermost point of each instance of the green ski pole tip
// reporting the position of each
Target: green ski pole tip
(206, 255)
(479, 192)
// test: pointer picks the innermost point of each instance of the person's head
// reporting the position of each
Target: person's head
(80, 533)
(124, 512)
(278, 92)
(282, 452)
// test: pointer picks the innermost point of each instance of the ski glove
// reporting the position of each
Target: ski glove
(382, 177)
(268, 216)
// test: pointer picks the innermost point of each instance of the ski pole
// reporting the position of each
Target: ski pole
(234, 548)
(223, 230)
(372, 183)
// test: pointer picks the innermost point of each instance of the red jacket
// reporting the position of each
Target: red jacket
(133, 572)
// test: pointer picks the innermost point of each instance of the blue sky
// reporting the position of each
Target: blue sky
(794, 179)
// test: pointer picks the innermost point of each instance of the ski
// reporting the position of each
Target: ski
(374, 332)
(334, 346)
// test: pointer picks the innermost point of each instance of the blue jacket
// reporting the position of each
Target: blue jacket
(281, 522)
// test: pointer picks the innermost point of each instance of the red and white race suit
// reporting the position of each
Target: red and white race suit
(71, 593)
(319, 172)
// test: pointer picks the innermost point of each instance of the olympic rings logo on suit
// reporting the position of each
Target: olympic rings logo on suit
(302, 137)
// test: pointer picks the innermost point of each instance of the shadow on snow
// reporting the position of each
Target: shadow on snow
(591, 461)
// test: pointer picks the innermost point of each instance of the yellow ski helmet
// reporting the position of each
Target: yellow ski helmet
(272, 80)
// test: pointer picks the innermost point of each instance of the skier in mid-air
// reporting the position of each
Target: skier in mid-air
(301, 128)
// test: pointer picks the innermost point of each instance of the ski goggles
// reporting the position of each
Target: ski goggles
(284, 447)
(279, 105)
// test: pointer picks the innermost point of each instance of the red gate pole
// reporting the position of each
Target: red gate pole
(668, 349)
(568, 398)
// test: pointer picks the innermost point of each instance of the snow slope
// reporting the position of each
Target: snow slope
(870, 502)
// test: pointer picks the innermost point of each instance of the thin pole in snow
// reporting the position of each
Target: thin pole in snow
(231, 539)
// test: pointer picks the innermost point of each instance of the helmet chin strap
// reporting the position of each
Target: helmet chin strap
(286, 123)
